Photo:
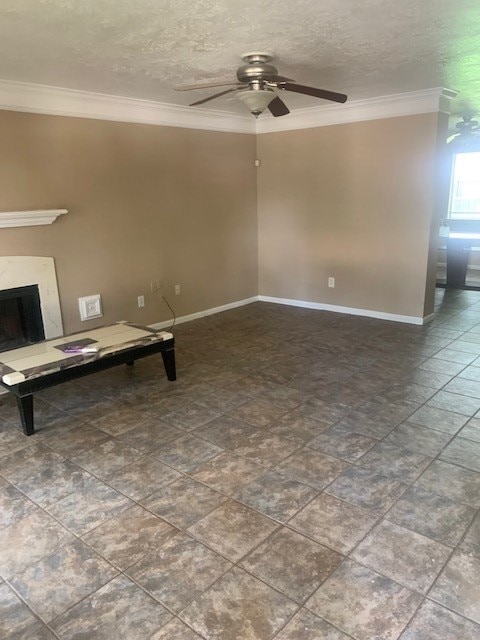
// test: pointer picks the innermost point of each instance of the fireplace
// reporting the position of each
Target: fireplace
(17, 272)
(20, 317)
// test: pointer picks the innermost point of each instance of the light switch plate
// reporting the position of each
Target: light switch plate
(90, 307)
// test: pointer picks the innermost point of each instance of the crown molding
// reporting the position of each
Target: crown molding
(392, 106)
(36, 98)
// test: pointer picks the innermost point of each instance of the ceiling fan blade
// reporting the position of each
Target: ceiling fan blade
(312, 91)
(278, 107)
(272, 77)
(206, 85)
(215, 95)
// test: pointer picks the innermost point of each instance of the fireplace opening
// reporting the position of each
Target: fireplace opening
(20, 317)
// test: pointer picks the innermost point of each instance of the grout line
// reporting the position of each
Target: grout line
(305, 445)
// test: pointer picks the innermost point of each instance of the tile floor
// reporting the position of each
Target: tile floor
(309, 476)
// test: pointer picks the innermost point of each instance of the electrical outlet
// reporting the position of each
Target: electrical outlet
(177, 289)
(331, 283)
(156, 285)
(141, 301)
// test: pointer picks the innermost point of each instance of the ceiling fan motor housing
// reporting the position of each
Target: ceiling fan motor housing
(257, 66)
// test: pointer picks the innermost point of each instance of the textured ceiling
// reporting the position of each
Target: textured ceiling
(141, 48)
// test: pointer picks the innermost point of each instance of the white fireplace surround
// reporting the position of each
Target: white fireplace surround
(22, 271)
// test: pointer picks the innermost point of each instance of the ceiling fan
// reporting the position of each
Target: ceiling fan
(257, 82)
(466, 130)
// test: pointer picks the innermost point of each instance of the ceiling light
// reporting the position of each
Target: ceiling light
(257, 100)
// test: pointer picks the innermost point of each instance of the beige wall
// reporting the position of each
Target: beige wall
(353, 201)
(144, 203)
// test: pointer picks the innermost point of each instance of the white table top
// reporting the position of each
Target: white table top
(45, 357)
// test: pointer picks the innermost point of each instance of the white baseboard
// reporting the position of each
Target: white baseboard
(206, 312)
(321, 306)
(295, 303)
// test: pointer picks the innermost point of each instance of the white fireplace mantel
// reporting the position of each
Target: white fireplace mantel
(29, 218)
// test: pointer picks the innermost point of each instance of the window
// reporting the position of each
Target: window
(465, 187)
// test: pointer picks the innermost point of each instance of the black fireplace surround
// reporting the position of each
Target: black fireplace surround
(20, 317)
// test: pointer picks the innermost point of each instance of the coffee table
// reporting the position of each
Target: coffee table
(38, 366)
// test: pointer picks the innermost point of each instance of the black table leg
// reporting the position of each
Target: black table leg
(25, 406)
(169, 364)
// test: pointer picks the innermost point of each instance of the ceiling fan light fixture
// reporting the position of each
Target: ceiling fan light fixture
(256, 81)
(257, 101)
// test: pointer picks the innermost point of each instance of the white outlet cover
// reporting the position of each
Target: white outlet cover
(90, 307)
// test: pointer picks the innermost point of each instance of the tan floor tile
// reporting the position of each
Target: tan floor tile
(72, 439)
(142, 478)
(120, 609)
(452, 481)
(363, 603)
(150, 435)
(465, 453)
(176, 630)
(50, 592)
(29, 540)
(14, 506)
(291, 563)
(186, 453)
(190, 416)
(471, 542)
(297, 427)
(106, 458)
(55, 483)
(119, 420)
(433, 622)
(257, 413)
(395, 462)
(27, 462)
(16, 619)
(265, 448)
(129, 537)
(179, 571)
(232, 529)
(227, 472)
(432, 515)
(184, 502)
(458, 586)
(312, 467)
(87, 508)
(407, 557)
(306, 626)
(333, 522)
(342, 444)
(276, 496)
(239, 606)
